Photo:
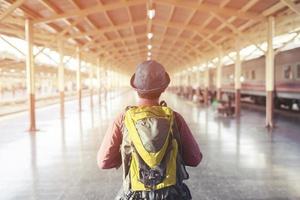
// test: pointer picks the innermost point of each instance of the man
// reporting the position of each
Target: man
(151, 142)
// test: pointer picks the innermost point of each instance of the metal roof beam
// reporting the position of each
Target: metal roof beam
(294, 7)
(207, 7)
(87, 11)
(108, 29)
(11, 9)
(193, 28)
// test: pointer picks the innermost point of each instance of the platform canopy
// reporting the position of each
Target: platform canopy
(122, 33)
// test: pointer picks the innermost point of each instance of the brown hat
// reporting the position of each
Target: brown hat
(150, 77)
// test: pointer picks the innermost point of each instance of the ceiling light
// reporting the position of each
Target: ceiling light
(149, 53)
(148, 58)
(150, 35)
(151, 13)
(149, 46)
(242, 78)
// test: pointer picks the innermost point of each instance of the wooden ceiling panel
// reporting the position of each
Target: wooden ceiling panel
(186, 34)
(180, 15)
(225, 17)
(35, 5)
(199, 18)
(182, 29)
(97, 38)
(99, 20)
(72, 31)
(172, 31)
(214, 24)
(45, 12)
(192, 1)
(118, 44)
(81, 41)
(126, 32)
(239, 22)
(214, 2)
(111, 35)
(118, 16)
(200, 49)
(85, 3)
(140, 29)
(131, 40)
(106, 2)
(178, 44)
(158, 30)
(59, 25)
(263, 5)
(237, 4)
(226, 29)
(142, 40)
(84, 26)
(64, 6)
(138, 12)
(197, 38)
(214, 38)
(162, 12)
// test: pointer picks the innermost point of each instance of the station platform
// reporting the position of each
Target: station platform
(242, 159)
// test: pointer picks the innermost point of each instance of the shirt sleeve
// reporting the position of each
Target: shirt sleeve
(109, 155)
(191, 154)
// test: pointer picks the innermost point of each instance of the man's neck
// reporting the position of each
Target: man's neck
(148, 102)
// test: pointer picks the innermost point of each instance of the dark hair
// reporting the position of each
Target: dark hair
(150, 95)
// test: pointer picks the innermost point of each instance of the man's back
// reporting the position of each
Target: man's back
(152, 152)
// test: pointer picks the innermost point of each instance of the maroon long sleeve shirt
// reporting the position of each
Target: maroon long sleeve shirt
(109, 155)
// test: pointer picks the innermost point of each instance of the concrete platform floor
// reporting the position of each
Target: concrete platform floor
(242, 159)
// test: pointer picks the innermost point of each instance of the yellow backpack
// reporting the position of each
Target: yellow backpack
(153, 160)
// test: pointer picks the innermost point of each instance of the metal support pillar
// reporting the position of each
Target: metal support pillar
(30, 82)
(188, 78)
(61, 78)
(99, 80)
(91, 77)
(206, 84)
(1, 92)
(106, 82)
(270, 74)
(219, 77)
(179, 81)
(78, 78)
(237, 82)
(198, 83)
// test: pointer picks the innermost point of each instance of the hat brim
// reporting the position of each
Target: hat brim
(153, 90)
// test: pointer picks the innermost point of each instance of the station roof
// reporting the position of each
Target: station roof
(123, 33)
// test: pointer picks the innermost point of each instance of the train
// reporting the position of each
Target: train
(287, 80)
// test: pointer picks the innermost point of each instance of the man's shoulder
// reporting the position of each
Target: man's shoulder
(177, 115)
(119, 118)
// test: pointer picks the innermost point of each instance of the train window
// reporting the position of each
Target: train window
(288, 74)
(253, 74)
(298, 71)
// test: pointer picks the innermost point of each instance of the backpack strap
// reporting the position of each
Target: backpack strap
(182, 173)
(129, 107)
(163, 103)
(177, 134)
